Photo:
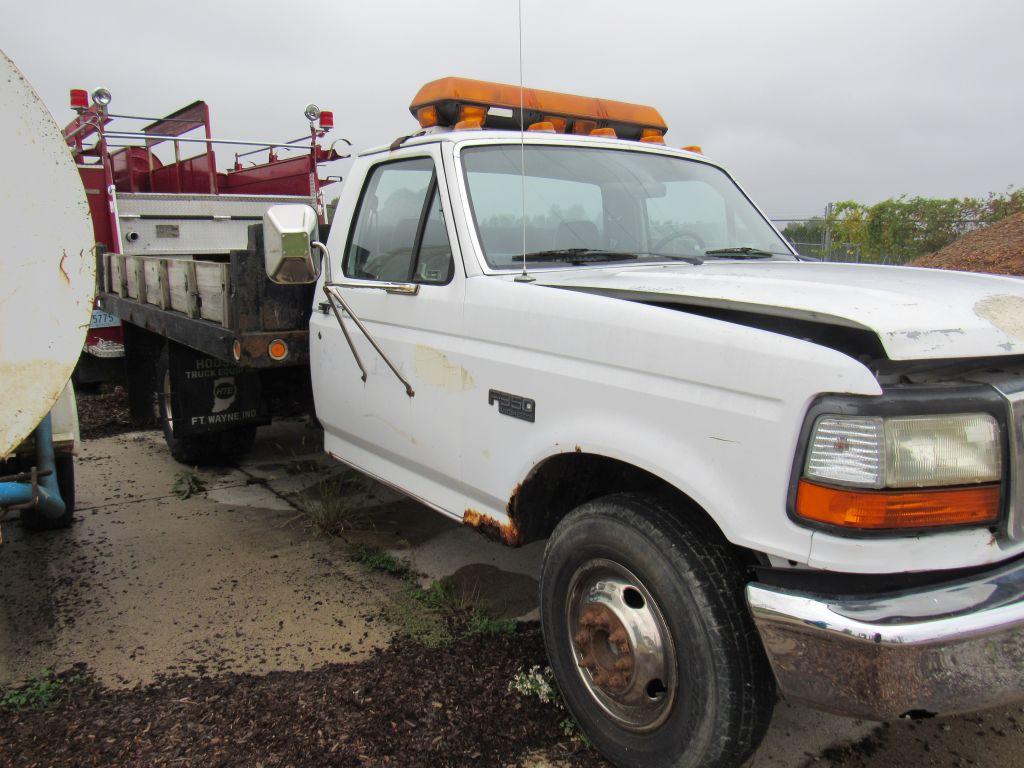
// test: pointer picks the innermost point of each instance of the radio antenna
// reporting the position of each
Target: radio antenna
(524, 277)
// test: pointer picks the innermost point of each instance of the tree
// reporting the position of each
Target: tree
(900, 229)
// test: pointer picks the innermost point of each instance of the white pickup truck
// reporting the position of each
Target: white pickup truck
(756, 474)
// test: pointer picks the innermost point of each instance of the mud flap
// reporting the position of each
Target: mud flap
(209, 395)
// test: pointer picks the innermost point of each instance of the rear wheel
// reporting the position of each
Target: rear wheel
(34, 520)
(210, 448)
(649, 637)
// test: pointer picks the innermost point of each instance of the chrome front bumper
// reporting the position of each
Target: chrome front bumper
(956, 647)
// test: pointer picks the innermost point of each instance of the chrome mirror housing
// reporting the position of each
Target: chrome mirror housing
(289, 232)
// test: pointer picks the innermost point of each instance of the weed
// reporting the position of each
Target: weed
(377, 559)
(187, 483)
(540, 683)
(536, 682)
(38, 693)
(332, 510)
(436, 614)
(482, 624)
(301, 466)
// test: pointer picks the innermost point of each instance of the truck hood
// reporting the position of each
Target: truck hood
(916, 313)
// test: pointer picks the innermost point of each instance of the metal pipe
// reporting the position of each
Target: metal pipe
(42, 492)
(161, 137)
(373, 342)
(286, 145)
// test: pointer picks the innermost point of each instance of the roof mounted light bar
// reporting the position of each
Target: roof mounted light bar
(461, 103)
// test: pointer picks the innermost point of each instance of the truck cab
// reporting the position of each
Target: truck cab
(754, 472)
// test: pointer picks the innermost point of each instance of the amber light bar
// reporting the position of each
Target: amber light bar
(452, 101)
(881, 510)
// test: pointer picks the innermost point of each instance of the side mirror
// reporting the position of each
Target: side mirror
(289, 232)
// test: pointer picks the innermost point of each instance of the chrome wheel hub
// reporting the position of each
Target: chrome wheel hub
(624, 651)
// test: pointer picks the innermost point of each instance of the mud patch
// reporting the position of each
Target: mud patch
(499, 593)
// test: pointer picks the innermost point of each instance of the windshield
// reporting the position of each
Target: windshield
(583, 204)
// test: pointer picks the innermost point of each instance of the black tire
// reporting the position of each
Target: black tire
(717, 713)
(34, 520)
(211, 448)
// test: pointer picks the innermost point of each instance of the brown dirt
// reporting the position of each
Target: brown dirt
(982, 739)
(102, 415)
(405, 706)
(997, 249)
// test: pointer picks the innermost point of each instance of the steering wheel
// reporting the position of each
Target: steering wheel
(676, 235)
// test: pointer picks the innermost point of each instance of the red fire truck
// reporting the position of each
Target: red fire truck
(234, 349)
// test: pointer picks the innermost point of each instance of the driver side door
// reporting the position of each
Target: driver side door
(402, 277)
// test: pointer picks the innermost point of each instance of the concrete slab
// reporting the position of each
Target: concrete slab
(146, 583)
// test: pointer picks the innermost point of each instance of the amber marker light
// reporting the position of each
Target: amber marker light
(895, 509)
(604, 132)
(472, 112)
(542, 127)
(427, 116)
(558, 123)
(693, 148)
(278, 350)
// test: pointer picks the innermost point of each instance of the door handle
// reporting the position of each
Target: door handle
(400, 289)
(406, 289)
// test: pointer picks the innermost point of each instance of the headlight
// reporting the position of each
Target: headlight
(859, 471)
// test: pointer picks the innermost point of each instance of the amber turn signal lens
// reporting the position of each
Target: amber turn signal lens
(543, 127)
(277, 350)
(583, 127)
(472, 112)
(603, 132)
(558, 123)
(882, 510)
(427, 116)
(693, 148)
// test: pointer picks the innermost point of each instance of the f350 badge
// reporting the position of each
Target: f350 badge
(516, 406)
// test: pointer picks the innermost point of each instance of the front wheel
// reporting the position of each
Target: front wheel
(649, 636)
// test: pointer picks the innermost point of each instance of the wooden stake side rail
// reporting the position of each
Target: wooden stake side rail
(198, 289)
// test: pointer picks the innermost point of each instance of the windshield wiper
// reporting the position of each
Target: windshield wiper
(580, 255)
(743, 252)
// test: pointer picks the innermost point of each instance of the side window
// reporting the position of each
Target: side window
(390, 225)
(435, 262)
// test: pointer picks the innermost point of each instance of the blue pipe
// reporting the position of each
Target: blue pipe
(47, 494)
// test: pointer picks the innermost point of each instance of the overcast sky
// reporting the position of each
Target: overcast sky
(805, 102)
